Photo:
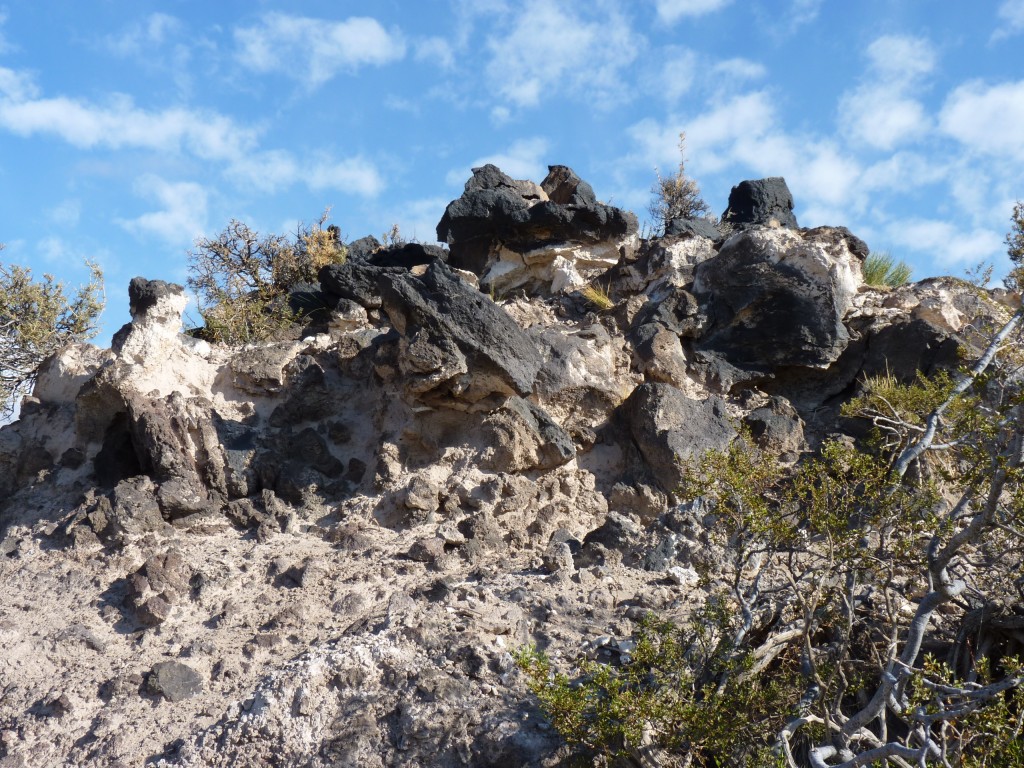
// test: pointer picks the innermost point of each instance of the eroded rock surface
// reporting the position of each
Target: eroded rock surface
(324, 550)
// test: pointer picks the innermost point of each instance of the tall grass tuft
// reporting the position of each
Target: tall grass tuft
(881, 269)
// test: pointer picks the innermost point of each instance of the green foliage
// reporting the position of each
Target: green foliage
(823, 571)
(881, 269)
(37, 319)
(1015, 247)
(681, 690)
(242, 278)
(676, 196)
(988, 729)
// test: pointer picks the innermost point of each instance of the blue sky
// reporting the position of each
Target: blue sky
(129, 128)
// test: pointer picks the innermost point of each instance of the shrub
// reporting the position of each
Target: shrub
(681, 690)
(676, 196)
(1015, 247)
(37, 319)
(833, 580)
(881, 269)
(242, 278)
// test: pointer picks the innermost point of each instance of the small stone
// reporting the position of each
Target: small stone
(153, 611)
(558, 557)
(451, 534)
(684, 577)
(174, 681)
(427, 550)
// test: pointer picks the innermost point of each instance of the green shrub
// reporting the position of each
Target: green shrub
(881, 269)
(681, 690)
(242, 278)
(37, 319)
(1015, 247)
(827, 587)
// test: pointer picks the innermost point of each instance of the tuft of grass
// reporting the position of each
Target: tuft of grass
(881, 269)
(598, 296)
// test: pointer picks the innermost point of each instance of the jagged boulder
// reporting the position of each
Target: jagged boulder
(524, 437)
(695, 228)
(762, 201)
(513, 233)
(667, 426)
(356, 279)
(456, 337)
(779, 297)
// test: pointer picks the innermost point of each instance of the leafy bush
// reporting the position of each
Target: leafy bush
(834, 578)
(242, 278)
(680, 690)
(37, 319)
(677, 196)
(881, 269)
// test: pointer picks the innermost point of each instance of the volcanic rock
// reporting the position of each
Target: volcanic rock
(762, 201)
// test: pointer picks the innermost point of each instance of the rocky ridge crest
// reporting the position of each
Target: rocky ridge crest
(322, 550)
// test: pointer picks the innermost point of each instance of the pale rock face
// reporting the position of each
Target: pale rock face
(368, 520)
(664, 265)
(554, 268)
(683, 256)
(63, 375)
(155, 358)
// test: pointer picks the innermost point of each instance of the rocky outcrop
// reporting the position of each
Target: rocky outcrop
(766, 202)
(456, 338)
(669, 428)
(552, 237)
(780, 298)
(323, 550)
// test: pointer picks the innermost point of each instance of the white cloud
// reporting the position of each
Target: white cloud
(678, 72)
(316, 50)
(278, 169)
(53, 250)
(436, 50)
(266, 171)
(120, 124)
(670, 11)
(182, 216)
(742, 135)
(66, 214)
(881, 117)
(353, 175)
(945, 243)
(715, 138)
(903, 172)
(738, 69)
(17, 86)
(500, 115)
(142, 36)
(803, 12)
(901, 58)
(522, 160)
(549, 48)
(987, 119)
(1011, 19)
(882, 112)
